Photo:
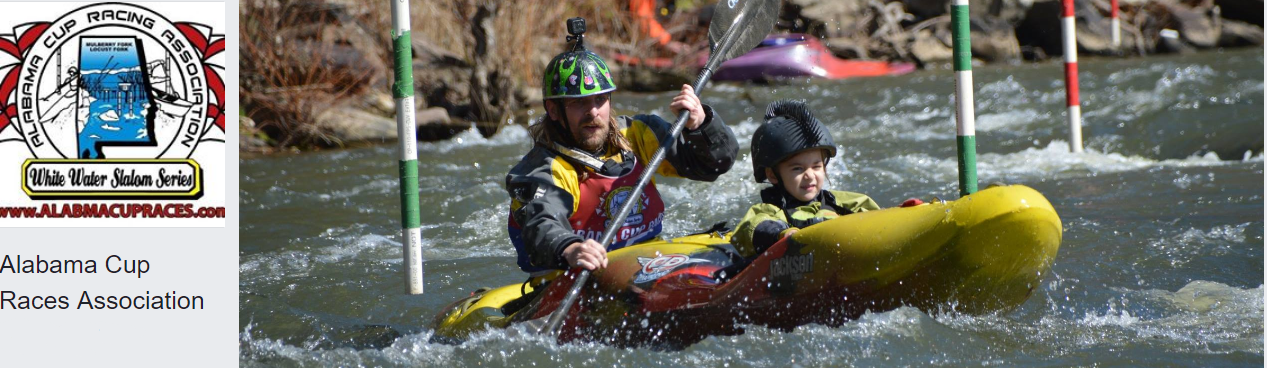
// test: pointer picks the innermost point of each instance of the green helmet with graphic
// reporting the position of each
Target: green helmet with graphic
(576, 73)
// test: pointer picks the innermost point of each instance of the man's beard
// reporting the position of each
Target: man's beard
(592, 143)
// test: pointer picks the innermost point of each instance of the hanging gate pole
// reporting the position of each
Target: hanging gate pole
(1071, 78)
(1115, 23)
(403, 92)
(965, 118)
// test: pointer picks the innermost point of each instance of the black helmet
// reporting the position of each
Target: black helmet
(789, 129)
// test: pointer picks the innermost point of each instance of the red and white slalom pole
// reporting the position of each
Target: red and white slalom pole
(1116, 24)
(1071, 78)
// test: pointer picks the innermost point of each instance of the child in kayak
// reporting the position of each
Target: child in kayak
(791, 150)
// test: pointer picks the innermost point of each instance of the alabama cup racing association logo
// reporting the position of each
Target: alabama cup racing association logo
(112, 100)
(610, 204)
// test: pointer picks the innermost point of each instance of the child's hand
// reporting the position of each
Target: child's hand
(817, 220)
(789, 232)
(911, 202)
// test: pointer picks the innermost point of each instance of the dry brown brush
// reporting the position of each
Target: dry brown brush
(300, 59)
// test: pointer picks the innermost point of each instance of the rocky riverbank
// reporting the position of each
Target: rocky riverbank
(317, 73)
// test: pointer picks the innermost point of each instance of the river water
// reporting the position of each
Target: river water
(1161, 263)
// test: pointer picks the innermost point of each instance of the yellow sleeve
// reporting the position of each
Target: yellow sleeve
(563, 175)
(565, 178)
(855, 202)
(747, 228)
(645, 143)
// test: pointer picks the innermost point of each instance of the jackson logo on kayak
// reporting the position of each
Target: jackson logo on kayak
(654, 268)
(116, 102)
(792, 266)
(787, 271)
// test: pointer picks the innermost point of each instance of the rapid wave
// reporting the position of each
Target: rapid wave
(471, 138)
(1202, 316)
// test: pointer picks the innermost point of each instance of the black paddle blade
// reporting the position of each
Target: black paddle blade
(738, 26)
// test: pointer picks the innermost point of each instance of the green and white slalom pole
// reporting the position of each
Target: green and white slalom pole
(965, 117)
(403, 92)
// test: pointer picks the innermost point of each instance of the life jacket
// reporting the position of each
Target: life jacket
(601, 198)
(598, 199)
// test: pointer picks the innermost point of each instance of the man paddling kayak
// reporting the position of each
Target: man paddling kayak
(584, 163)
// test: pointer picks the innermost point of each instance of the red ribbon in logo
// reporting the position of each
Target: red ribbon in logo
(9, 111)
(208, 49)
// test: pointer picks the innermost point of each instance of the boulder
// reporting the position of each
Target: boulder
(1199, 26)
(1236, 33)
(432, 116)
(847, 47)
(335, 64)
(379, 102)
(928, 48)
(1010, 11)
(528, 96)
(426, 52)
(249, 139)
(327, 34)
(343, 125)
(1169, 41)
(644, 79)
(443, 86)
(434, 124)
(829, 19)
(1095, 30)
(315, 12)
(993, 39)
(1041, 29)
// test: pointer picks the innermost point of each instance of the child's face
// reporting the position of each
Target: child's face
(803, 175)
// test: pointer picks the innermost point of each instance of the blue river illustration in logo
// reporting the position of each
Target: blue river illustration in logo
(116, 82)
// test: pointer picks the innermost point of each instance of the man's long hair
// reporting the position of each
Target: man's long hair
(547, 132)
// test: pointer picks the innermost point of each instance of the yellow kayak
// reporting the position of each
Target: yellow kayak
(981, 253)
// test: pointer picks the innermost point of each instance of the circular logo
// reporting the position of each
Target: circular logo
(617, 197)
(112, 80)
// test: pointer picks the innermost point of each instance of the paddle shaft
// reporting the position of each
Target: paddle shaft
(616, 223)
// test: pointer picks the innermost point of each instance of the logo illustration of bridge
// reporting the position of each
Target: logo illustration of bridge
(112, 93)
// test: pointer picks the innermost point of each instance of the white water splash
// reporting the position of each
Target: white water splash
(508, 135)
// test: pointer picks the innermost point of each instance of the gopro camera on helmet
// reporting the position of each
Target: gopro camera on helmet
(577, 72)
(576, 26)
